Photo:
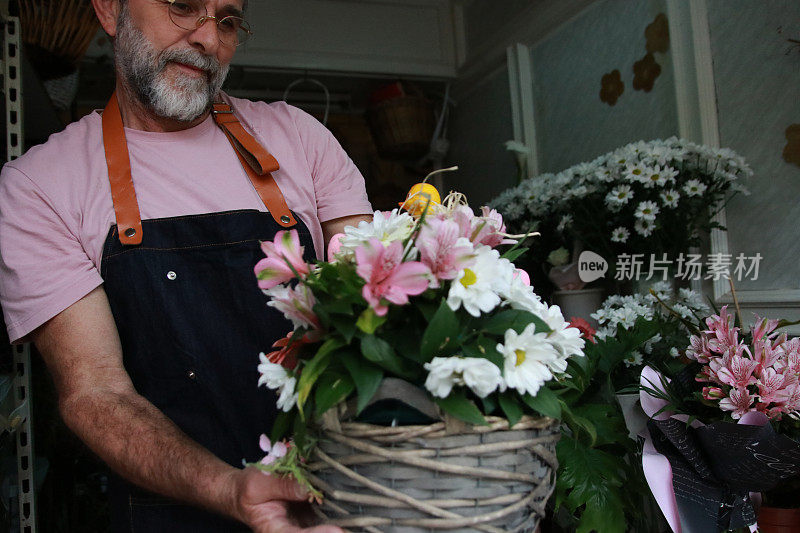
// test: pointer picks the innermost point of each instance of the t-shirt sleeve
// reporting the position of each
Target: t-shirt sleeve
(338, 184)
(43, 266)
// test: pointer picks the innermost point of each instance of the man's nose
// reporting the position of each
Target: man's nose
(206, 37)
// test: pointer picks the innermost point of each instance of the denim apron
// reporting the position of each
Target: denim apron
(192, 321)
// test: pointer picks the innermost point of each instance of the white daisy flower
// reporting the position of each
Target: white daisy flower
(670, 197)
(634, 358)
(480, 375)
(644, 227)
(646, 210)
(276, 377)
(478, 288)
(526, 359)
(620, 234)
(564, 338)
(694, 188)
(619, 195)
(634, 172)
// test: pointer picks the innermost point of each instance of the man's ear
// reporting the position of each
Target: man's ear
(107, 12)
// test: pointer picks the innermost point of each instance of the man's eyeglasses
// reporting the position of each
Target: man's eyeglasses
(191, 14)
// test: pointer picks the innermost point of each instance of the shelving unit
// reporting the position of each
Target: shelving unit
(12, 87)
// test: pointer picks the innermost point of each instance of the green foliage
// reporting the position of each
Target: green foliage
(460, 407)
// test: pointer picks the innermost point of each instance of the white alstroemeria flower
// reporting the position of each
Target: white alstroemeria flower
(478, 288)
(385, 226)
(694, 188)
(620, 234)
(480, 375)
(276, 377)
(646, 210)
(526, 358)
(670, 197)
(644, 227)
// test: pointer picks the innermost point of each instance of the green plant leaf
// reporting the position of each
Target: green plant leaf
(516, 319)
(603, 512)
(607, 421)
(484, 348)
(366, 376)
(314, 368)
(382, 354)
(545, 403)
(510, 406)
(441, 332)
(345, 326)
(280, 428)
(514, 253)
(460, 407)
(339, 306)
(332, 389)
(368, 321)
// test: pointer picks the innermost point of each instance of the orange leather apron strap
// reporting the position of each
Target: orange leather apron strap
(257, 162)
(126, 208)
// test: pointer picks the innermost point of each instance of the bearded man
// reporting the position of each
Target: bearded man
(128, 243)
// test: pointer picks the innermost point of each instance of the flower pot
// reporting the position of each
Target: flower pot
(579, 303)
(777, 520)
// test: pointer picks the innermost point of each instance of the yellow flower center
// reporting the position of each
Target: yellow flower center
(520, 356)
(469, 278)
(637, 171)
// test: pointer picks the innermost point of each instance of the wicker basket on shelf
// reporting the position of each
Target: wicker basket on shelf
(443, 476)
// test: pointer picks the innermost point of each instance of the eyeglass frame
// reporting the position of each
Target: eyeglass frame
(204, 18)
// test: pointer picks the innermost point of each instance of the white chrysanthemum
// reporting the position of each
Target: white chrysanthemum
(674, 353)
(565, 339)
(526, 357)
(480, 375)
(693, 300)
(634, 358)
(276, 377)
(644, 227)
(683, 310)
(385, 226)
(634, 172)
(620, 234)
(646, 210)
(478, 288)
(670, 197)
(694, 188)
(619, 195)
(659, 176)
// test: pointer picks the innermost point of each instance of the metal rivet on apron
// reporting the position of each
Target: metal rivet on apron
(130, 232)
(192, 375)
(171, 275)
(285, 219)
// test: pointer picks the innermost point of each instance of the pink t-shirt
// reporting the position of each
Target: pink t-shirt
(56, 208)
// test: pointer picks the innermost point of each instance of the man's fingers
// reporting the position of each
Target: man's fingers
(263, 487)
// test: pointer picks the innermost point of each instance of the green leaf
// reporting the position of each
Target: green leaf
(484, 348)
(341, 307)
(511, 407)
(607, 421)
(345, 326)
(428, 309)
(280, 428)
(314, 368)
(545, 403)
(382, 354)
(332, 389)
(489, 404)
(603, 512)
(516, 319)
(441, 331)
(514, 253)
(460, 407)
(368, 321)
(366, 376)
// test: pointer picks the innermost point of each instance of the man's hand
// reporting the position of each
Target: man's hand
(262, 503)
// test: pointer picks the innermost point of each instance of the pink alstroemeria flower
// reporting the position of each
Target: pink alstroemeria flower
(388, 278)
(769, 384)
(486, 229)
(284, 251)
(738, 373)
(296, 303)
(739, 401)
(698, 349)
(713, 393)
(764, 328)
(442, 250)
(273, 451)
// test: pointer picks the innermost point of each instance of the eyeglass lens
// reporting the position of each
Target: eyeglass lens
(190, 14)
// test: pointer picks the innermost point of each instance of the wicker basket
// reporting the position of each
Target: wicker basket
(402, 127)
(442, 476)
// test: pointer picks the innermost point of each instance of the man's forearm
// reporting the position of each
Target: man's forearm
(140, 443)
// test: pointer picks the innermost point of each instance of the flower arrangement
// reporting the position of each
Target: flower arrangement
(744, 385)
(646, 197)
(428, 299)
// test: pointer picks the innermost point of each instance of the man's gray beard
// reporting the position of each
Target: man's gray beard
(185, 98)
